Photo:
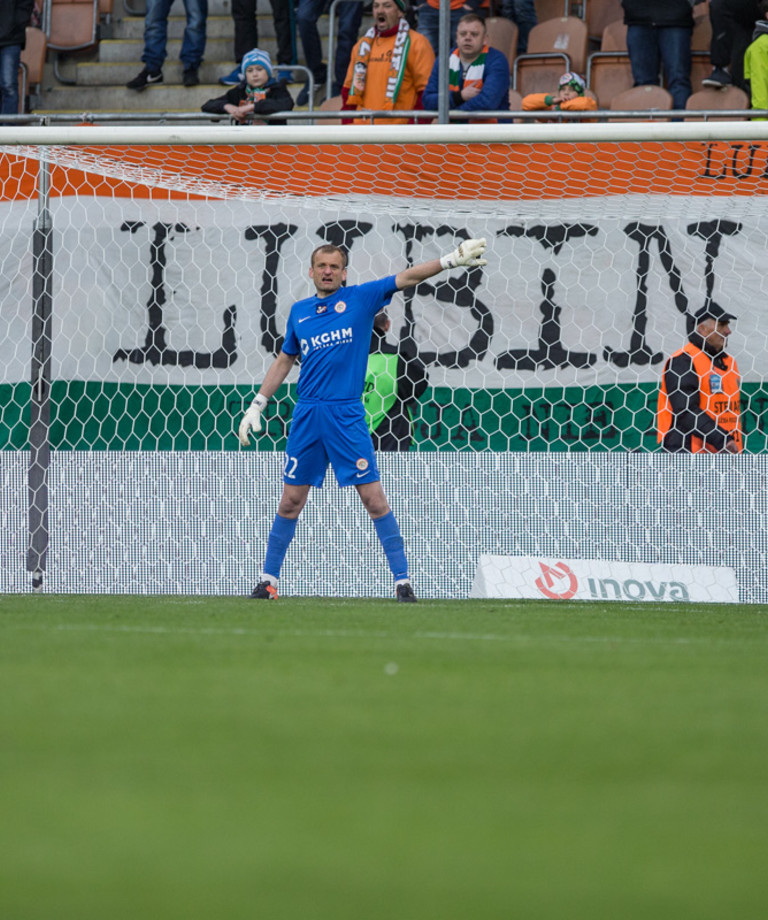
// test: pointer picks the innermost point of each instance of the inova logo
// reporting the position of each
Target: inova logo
(557, 582)
(614, 589)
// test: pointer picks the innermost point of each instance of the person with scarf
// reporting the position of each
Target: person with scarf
(699, 409)
(389, 66)
(258, 93)
(478, 75)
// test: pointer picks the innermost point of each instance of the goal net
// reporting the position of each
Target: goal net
(147, 278)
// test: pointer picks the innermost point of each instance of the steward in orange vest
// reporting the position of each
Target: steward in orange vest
(700, 403)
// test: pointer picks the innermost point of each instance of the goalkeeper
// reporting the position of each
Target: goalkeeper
(332, 332)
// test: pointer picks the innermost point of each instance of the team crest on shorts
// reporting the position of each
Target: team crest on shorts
(340, 307)
(362, 464)
(321, 308)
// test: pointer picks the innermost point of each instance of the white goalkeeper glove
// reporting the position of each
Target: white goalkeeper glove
(468, 254)
(251, 420)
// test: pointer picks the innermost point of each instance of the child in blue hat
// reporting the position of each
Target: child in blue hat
(258, 93)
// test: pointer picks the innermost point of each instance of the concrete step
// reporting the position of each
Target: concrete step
(162, 98)
(216, 49)
(119, 73)
(132, 27)
(215, 8)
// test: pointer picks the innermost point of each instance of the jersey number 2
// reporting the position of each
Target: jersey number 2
(289, 467)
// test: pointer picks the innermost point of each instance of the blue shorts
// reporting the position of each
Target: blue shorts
(335, 433)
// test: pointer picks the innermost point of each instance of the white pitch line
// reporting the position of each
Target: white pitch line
(362, 634)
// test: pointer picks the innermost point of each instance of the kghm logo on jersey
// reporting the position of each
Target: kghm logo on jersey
(362, 464)
(326, 340)
(340, 307)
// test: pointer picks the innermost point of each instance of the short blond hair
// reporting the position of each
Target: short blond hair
(328, 248)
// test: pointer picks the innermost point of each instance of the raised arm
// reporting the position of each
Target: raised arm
(278, 371)
(469, 254)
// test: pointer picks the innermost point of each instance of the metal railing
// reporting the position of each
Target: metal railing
(371, 115)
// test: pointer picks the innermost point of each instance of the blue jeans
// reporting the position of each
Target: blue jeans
(429, 22)
(523, 13)
(156, 33)
(9, 79)
(650, 46)
(348, 16)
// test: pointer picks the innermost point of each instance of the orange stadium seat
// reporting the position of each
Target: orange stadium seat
(502, 35)
(551, 9)
(32, 65)
(648, 98)
(614, 37)
(608, 74)
(73, 27)
(600, 13)
(730, 97)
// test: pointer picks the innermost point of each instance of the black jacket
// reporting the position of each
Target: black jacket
(14, 19)
(677, 13)
(278, 99)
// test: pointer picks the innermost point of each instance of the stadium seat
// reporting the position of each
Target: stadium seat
(565, 35)
(701, 67)
(599, 14)
(702, 34)
(502, 35)
(608, 74)
(33, 64)
(614, 37)
(551, 9)
(538, 73)
(73, 27)
(648, 98)
(730, 97)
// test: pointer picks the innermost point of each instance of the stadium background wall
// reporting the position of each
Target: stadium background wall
(172, 272)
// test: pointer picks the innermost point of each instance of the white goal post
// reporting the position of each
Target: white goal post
(147, 275)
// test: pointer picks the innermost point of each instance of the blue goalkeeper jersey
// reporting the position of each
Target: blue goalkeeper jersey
(333, 335)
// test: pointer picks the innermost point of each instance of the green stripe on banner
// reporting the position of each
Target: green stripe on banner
(108, 416)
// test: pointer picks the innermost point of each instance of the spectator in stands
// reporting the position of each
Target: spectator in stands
(246, 24)
(699, 403)
(733, 22)
(659, 32)
(156, 38)
(478, 76)
(571, 96)
(14, 19)
(429, 19)
(394, 381)
(523, 14)
(756, 61)
(350, 15)
(390, 65)
(259, 93)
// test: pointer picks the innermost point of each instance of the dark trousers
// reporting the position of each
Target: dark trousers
(247, 29)
(733, 22)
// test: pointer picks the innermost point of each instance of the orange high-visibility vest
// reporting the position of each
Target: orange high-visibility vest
(719, 397)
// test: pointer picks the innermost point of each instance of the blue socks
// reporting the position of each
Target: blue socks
(280, 537)
(388, 532)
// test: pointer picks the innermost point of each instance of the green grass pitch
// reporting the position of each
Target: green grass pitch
(192, 757)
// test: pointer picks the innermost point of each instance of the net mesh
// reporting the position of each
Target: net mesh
(172, 271)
